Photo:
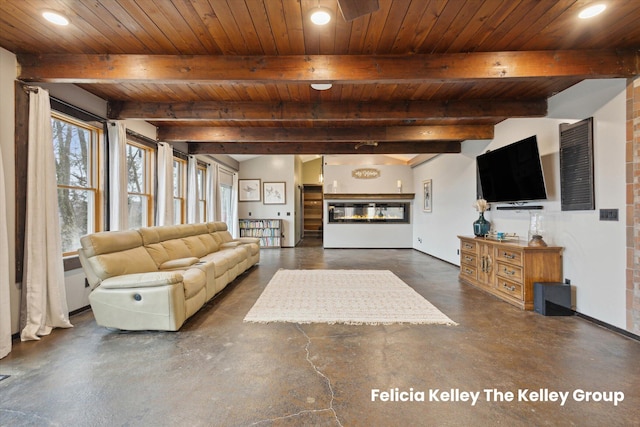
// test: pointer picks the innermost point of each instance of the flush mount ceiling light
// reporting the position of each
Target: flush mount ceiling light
(320, 15)
(592, 11)
(321, 86)
(55, 18)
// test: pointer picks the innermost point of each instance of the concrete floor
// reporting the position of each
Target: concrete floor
(219, 371)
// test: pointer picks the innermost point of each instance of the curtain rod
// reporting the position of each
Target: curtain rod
(28, 88)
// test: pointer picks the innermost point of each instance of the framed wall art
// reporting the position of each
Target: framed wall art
(427, 194)
(248, 190)
(273, 193)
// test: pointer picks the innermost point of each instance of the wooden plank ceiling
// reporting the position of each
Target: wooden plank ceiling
(409, 76)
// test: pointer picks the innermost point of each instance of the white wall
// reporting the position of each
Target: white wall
(594, 255)
(275, 168)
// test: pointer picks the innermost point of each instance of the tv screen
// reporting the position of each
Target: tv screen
(512, 173)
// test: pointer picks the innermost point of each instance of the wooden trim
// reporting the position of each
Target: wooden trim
(369, 196)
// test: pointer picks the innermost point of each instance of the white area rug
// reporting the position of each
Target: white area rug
(372, 297)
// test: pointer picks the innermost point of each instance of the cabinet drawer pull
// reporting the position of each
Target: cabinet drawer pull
(468, 258)
(509, 288)
(509, 272)
(468, 246)
(466, 270)
(508, 255)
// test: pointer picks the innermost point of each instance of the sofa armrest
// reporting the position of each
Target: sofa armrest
(178, 264)
(233, 244)
(142, 280)
(247, 240)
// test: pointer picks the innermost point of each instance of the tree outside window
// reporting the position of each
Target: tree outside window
(179, 190)
(202, 193)
(139, 195)
(76, 155)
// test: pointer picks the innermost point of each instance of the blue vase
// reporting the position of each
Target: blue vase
(481, 226)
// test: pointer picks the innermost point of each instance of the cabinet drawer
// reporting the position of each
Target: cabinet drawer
(469, 272)
(512, 257)
(468, 246)
(469, 259)
(510, 288)
(509, 271)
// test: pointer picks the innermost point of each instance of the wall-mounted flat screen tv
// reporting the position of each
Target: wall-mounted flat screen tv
(512, 173)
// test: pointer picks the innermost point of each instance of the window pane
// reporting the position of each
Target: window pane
(138, 211)
(136, 169)
(177, 179)
(177, 211)
(202, 211)
(201, 185)
(72, 151)
(75, 216)
(225, 205)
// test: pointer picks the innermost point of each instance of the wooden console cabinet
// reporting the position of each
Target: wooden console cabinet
(508, 269)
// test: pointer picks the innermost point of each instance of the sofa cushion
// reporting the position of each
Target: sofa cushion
(110, 241)
(174, 264)
(209, 242)
(176, 248)
(196, 246)
(158, 253)
(136, 260)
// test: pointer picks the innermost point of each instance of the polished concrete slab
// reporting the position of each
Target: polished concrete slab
(219, 371)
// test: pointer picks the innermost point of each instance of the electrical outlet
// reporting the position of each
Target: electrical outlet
(567, 281)
(458, 251)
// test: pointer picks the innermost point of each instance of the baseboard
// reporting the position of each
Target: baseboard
(609, 326)
(435, 257)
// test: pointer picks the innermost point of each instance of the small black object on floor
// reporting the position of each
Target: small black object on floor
(552, 299)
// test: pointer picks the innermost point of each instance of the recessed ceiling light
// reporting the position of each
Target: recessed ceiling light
(321, 86)
(320, 16)
(55, 18)
(592, 11)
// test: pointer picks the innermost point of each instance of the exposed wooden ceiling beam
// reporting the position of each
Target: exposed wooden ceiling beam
(327, 111)
(323, 148)
(378, 134)
(389, 69)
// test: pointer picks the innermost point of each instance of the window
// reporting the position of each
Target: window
(202, 192)
(76, 149)
(179, 190)
(225, 204)
(225, 188)
(139, 185)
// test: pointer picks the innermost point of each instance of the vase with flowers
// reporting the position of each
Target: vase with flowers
(481, 226)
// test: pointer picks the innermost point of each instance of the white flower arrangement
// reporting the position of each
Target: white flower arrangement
(481, 205)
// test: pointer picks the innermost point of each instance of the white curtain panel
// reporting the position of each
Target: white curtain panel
(118, 176)
(235, 228)
(44, 300)
(164, 199)
(212, 191)
(5, 303)
(192, 191)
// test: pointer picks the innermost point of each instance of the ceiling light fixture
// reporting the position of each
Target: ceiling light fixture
(55, 18)
(321, 86)
(320, 15)
(592, 11)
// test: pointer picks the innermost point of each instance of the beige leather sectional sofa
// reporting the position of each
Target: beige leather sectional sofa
(157, 277)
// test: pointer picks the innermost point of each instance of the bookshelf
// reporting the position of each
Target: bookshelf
(269, 231)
